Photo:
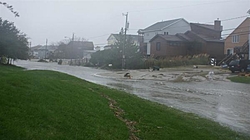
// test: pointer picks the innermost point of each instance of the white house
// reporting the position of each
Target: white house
(39, 51)
(112, 39)
(169, 27)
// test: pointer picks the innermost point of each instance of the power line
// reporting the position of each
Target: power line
(231, 18)
(156, 9)
(209, 22)
(237, 33)
(101, 35)
(235, 28)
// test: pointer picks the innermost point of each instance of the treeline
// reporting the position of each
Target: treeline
(13, 43)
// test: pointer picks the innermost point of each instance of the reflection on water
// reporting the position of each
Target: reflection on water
(225, 102)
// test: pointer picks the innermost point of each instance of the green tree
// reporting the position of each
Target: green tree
(133, 59)
(10, 7)
(13, 44)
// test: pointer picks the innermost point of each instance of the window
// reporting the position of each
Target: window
(158, 46)
(235, 39)
(174, 43)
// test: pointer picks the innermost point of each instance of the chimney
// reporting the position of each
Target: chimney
(217, 25)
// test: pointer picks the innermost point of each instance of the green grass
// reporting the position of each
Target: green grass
(51, 105)
(240, 79)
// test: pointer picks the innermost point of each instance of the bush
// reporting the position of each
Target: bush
(200, 59)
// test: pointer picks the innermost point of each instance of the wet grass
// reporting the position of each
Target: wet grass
(51, 105)
(240, 79)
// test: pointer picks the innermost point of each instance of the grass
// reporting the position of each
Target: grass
(51, 105)
(240, 79)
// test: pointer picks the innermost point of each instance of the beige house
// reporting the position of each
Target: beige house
(238, 38)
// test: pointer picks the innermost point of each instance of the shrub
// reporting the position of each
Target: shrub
(200, 59)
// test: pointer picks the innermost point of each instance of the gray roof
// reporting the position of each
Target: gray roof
(86, 45)
(44, 47)
(184, 37)
(205, 25)
(208, 26)
(207, 38)
(168, 38)
(133, 37)
(160, 25)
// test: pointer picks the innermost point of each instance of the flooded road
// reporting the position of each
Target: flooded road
(225, 102)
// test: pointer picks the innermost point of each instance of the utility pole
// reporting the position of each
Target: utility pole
(249, 37)
(46, 49)
(73, 37)
(125, 40)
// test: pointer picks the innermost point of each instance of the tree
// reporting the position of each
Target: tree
(10, 7)
(13, 44)
(133, 59)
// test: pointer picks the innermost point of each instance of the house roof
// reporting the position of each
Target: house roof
(168, 38)
(184, 37)
(36, 47)
(205, 38)
(233, 32)
(133, 37)
(44, 47)
(161, 25)
(207, 26)
(83, 44)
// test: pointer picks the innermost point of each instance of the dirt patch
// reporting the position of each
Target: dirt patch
(119, 113)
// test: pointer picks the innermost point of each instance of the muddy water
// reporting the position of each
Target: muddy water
(225, 102)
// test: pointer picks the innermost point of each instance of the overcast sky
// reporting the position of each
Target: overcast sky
(95, 20)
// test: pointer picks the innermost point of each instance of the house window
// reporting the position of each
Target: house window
(174, 43)
(158, 46)
(235, 39)
(165, 33)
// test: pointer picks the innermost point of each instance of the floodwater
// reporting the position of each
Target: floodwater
(225, 102)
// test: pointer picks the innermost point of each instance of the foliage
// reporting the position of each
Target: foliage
(60, 52)
(52, 105)
(200, 59)
(13, 44)
(133, 59)
(240, 79)
(10, 7)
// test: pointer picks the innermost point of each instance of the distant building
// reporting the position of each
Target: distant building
(77, 49)
(40, 52)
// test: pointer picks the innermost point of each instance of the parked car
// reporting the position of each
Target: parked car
(238, 65)
(248, 68)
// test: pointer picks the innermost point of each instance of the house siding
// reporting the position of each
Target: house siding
(243, 31)
(166, 49)
(158, 53)
(111, 40)
(214, 49)
(180, 26)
